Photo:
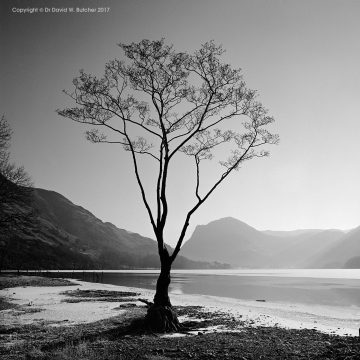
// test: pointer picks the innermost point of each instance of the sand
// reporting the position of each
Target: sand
(46, 305)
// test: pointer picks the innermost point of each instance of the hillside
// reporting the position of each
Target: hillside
(232, 241)
(307, 245)
(66, 235)
(344, 254)
(353, 263)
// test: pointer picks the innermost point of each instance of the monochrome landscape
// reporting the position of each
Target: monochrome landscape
(70, 237)
(179, 179)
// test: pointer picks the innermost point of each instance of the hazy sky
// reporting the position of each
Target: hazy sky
(302, 56)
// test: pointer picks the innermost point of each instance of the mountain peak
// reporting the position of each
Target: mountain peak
(233, 241)
(229, 222)
(67, 236)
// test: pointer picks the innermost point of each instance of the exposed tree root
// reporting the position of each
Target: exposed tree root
(162, 319)
(148, 303)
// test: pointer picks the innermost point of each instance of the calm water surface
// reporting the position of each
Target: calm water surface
(321, 286)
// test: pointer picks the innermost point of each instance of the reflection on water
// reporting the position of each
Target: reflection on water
(267, 286)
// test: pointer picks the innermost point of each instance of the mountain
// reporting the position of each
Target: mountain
(353, 263)
(307, 246)
(232, 241)
(67, 236)
(288, 233)
(344, 254)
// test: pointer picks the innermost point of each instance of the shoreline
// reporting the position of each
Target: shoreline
(66, 320)
(319, 273)
(52, 308)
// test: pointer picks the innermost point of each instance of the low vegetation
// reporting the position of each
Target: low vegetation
(98, 295)
(9, 281)
(204, 335)
(125, 338)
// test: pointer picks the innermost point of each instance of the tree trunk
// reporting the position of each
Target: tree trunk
(161, 297)
(161, 316)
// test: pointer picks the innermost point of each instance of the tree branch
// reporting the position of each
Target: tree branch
(139, 181)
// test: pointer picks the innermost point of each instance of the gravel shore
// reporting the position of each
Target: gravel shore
(33, 329)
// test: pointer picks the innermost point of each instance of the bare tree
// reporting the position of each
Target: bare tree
(16, 174)
(15, 193)
(160, 103)
(15, 183)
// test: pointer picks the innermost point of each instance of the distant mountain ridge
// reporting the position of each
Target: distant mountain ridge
(235, 242)
(230, 239)
(287, 233)
(344, 254)
(67, 236)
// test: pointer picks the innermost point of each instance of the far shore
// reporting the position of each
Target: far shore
(56, 307)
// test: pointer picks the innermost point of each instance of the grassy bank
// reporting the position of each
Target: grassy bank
(9, 281)
(124, 337)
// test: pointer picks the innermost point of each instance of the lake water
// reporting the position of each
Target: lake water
(305, 286)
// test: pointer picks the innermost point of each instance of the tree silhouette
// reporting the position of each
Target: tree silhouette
(15, 194)
(159, 103)
(15, 183)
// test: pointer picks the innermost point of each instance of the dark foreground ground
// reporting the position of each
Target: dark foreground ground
(123, 337)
